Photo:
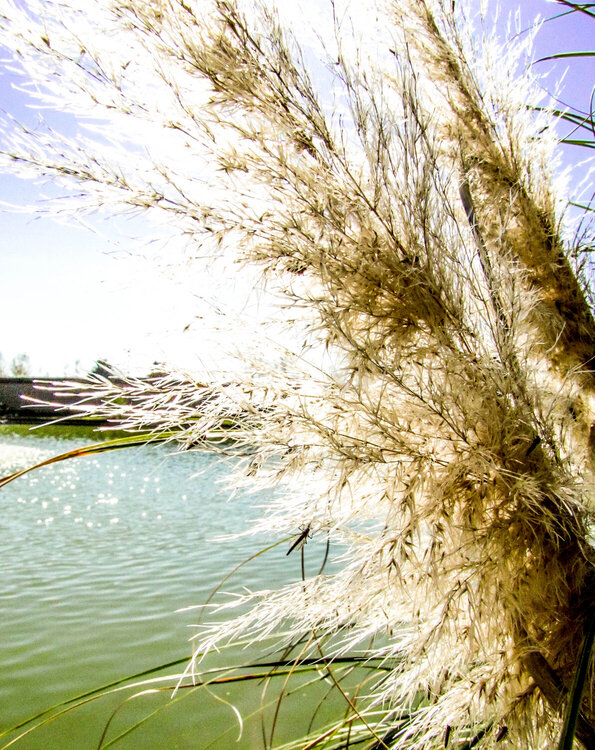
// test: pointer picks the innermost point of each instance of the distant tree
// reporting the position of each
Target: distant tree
(102, 368)
(158, 370)
(434, 413)
(20, 366)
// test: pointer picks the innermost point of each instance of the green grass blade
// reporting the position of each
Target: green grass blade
(577, 142)
(575, 7)
(99, 691)
(258, 671)
(578, 119)
(566, 55)
(103, 745)
(90, 450)
(583, 206)
(576, 692)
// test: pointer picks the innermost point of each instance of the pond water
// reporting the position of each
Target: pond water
(98, 553)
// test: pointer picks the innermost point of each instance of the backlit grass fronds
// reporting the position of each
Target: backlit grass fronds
(430, 412)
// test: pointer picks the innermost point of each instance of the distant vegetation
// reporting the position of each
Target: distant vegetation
(19, 367)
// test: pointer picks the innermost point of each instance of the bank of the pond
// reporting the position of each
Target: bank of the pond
(98, 554)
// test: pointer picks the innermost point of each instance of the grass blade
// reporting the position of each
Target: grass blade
(90, 450)
(565, 55)
(583, 206)
(576, 692)
(578, 142)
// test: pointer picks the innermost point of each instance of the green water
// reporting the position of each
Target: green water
(98, 553)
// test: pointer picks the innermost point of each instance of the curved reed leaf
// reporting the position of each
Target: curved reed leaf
(578, 142)
(566, 55)
(576, 7)
(133, 441)
(99, 691)
(585, 207)
(211, 677)
(576, 693)
(579, 119)
(91, 450)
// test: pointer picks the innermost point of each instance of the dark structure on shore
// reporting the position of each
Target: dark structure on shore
(19, 402)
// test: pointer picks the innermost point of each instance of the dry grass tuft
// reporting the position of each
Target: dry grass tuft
(445, 439)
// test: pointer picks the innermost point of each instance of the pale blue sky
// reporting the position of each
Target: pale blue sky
(67, 294)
